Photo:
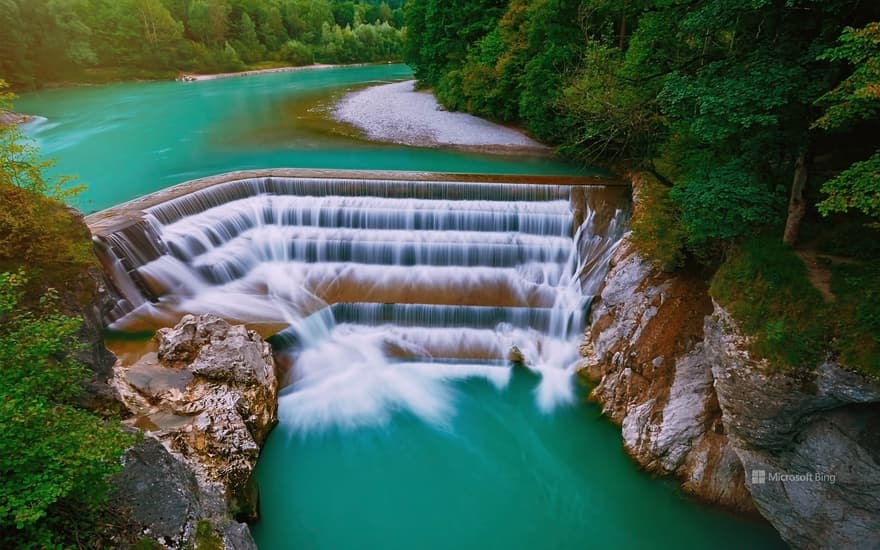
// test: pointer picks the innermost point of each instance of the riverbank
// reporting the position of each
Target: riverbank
(189, 77)
(116, 75)
(676, 370)
(397, 113)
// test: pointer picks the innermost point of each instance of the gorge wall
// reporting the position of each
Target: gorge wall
(673, 370)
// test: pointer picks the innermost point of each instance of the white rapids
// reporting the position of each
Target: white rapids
(388, 289)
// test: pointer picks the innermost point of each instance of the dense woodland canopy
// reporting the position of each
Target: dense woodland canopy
(730, 100)
(46, 41)
(756, 117)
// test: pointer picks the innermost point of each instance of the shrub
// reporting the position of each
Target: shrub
(55, 457)
(36, 229)
(297, 53)
(656, 225)
(857, 314)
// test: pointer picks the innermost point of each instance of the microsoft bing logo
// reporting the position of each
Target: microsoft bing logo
(759, 477)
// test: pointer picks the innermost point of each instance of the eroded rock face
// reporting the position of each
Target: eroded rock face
(209, 395)
(821, 426)
(674, 371)
(645, 351)
(160, 494)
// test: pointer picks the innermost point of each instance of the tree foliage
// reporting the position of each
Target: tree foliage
(55, 457)
(52, 40)
(857, 187)
(36, 229)
(855, 100)
(715, 97)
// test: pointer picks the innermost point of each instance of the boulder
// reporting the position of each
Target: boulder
(809, 440)
(163, 500)
(209, 395)
(8, 117)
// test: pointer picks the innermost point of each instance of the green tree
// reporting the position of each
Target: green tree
(296, 53)
(209, 22)
(271, 28)
(250, 48)
(343, 14)
(15, 64)
(855, 99)
(229, 59)
(441, 32)
(161, 33)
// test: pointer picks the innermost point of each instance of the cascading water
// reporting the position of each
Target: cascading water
(382, 289)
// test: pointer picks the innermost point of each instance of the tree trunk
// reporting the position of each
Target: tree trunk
(797, 206)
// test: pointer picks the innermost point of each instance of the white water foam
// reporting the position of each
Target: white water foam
(389, 299)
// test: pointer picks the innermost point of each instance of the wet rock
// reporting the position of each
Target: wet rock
(165, 502)
(159, 491)
(515, 355)
(209, 395)
(180, 345)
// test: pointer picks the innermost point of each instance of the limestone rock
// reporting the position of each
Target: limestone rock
(209, 395)
(644, 349)
(818, 427)
(674, 371)
(164, 500)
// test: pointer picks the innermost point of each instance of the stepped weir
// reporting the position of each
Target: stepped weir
(439, 273)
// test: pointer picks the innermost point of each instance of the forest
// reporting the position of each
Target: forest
(51, 41)
(757, 121)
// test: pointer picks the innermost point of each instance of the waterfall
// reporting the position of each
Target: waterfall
(382, 289)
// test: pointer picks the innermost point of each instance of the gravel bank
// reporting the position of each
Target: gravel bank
(397, 113)
(316, 66)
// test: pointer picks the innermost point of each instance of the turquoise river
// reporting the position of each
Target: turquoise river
(468, 462)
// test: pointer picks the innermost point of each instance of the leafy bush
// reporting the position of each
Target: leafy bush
(656, 225)
(55, 457)
(36, 229)
(856, 188)
(297, 53)
(723, 201)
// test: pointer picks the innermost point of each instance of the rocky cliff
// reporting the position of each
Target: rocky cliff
(206, 400)
(87, 295)
(801, 448)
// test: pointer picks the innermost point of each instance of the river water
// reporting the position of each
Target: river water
(404, 426)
